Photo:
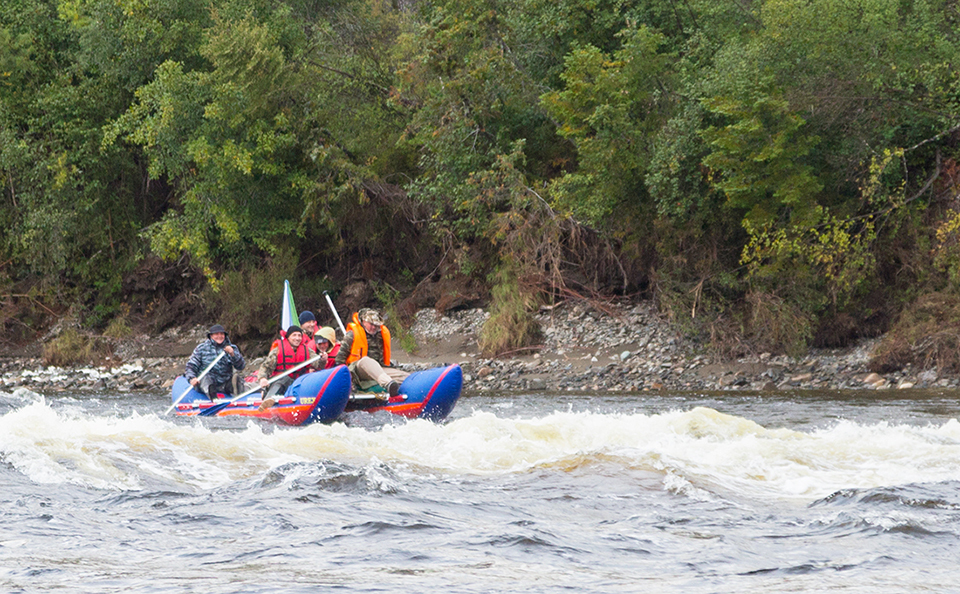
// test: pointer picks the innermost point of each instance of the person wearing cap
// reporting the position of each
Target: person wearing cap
(308, 322)
(290, 351)
(326, 341)
(222, 378)
(366, 350)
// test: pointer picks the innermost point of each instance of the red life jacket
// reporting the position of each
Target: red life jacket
(288, 357)
(332, 356)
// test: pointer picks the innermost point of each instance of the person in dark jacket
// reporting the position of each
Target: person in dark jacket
(222, 378)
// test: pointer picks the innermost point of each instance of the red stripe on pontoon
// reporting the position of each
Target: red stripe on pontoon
(435, 385)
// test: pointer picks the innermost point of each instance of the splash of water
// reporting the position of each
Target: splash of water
(697, 451)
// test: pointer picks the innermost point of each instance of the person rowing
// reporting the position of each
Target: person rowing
(222, 378)
(308, 322)
(287, 353)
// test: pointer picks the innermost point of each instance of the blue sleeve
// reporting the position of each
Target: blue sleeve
(194, 363)
(237, 358)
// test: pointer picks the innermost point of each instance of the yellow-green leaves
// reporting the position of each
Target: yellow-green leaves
(833, 253)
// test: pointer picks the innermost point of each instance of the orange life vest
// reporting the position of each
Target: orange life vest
(289, 357)
(360, 346)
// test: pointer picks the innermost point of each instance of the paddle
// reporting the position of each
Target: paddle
(334, 310)
(379, 397)
(199, 377)
(208, 412)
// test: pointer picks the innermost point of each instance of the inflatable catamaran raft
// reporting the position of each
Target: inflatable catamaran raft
(324, 396)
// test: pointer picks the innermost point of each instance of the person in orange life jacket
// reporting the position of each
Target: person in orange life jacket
(326, 339)
(366, 350)
(308, 322)
(289, 352)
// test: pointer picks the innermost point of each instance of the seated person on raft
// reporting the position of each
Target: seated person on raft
(223, 377)
(366, 350)
(308, 323)
(289, 352)
(326, 341)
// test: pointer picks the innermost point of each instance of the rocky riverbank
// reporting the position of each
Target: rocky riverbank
(627, 348)
(632, 348)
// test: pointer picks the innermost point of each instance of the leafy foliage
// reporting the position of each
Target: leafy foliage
(609, 108)
(758, 167)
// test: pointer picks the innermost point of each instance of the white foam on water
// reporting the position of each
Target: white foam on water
(699, 452)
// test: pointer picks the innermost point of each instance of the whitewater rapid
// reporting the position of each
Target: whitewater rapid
(524, 492)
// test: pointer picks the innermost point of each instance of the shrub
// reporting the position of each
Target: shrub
(118, 328)
(390, 298)
(927, 334)
(511, 325)
(72, 348)
(249, 299)
(777, 325)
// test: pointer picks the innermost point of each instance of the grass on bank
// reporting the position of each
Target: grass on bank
(71, 348)
(925, 335)
(511, 326)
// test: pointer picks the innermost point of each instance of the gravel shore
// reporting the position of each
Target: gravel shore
(625, 348)
(632, 348)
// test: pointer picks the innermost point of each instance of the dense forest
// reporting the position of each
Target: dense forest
(777, 174)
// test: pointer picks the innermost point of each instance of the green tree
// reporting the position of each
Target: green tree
(472, 102)
(73, 211)
(758, 154)
(610, 107)
(263, 144)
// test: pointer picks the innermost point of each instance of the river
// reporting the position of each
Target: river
(789, 492)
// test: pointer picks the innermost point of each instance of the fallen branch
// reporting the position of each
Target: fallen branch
(33, 299)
